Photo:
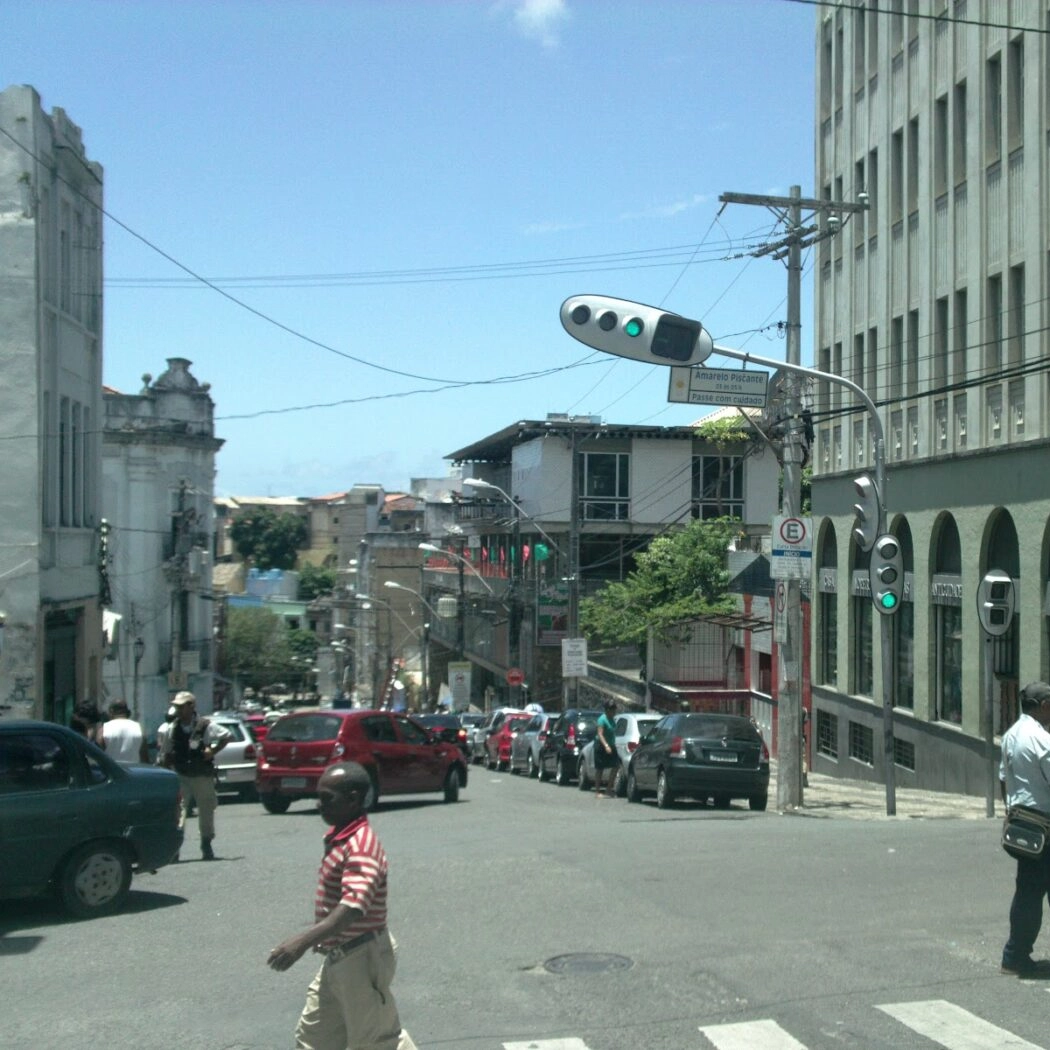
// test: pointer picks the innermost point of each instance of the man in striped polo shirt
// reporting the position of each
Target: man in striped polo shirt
(349, 1005)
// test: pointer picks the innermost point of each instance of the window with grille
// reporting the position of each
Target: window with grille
(827, 734)
(861, 743)
(903, 753)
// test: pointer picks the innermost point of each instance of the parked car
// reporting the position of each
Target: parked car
(566, 738)
(493, 720)
(630, 727)
(401, 757)
(498, 745)
(525, 747)
(235, 763)
(701, 756)
(258, 725)
(446, 727)
(75, 822)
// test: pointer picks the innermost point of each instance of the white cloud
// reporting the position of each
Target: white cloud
(535, 229)
(668, 211)
(539, 20)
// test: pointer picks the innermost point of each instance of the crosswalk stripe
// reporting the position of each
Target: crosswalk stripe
(547, 1044)
(953, 1027)
(750, 1035)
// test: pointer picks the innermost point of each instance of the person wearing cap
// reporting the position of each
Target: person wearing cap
(1024, 780)
(190, 748)
(349, 1005)
(606, 757)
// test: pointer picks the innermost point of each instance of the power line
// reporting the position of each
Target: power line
(942, 18)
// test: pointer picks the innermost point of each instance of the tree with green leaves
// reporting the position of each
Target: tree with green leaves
(315, 581)
(680, 577)
(269, 540)
(257, 648)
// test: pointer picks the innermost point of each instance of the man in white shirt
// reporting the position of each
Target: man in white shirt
(122, 736)
(1024, 779)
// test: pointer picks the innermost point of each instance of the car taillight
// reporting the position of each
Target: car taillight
(249, 751)
(462, 734)
(631, 745)
(765, 752)
(676, 745)
(570, 737)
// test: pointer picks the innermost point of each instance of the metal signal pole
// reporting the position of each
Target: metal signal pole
(790, 649)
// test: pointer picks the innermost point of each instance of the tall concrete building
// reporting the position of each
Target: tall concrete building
(935, 300)
(52, 567)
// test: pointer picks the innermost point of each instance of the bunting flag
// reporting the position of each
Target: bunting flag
(526, 550)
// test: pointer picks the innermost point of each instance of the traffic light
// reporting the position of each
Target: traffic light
(995, 601)
(868, 511)
(644, 333)
(886, 574)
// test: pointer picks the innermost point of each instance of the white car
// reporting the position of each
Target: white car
(235, 763)
(630, 728)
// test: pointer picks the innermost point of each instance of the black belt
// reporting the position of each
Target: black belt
(344, 949)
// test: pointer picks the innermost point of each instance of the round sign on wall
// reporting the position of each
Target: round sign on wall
(515, 676)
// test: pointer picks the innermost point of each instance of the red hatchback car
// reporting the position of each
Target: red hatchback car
(400, 755)
(497, 746)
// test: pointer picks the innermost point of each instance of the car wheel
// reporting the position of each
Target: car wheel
(530, 766)
(370, 803)
(581, 775)
(452, 785)
(664, 798)
(489, 763)
(95, 880)
(561, 774)
(543, 774)
(275, 803)
(633, 794)
(758, 802)
(620, 784)
(721, 802)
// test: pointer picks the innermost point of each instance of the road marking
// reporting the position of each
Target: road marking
(953, 1027)
(750, 1035)
(548, 1044)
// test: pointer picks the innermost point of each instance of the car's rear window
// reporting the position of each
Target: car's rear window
(717, 726)
(306, 728)
(447, 721)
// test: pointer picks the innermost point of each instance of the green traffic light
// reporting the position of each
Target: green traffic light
(888, 601)
(634, 327)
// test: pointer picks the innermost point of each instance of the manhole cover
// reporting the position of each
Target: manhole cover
(587, 962)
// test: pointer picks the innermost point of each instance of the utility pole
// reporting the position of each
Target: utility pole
(790, 651)
(572, 685)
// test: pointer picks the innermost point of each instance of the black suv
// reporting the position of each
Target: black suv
(566, 738)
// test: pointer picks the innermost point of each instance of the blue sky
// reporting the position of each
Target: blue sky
(417, 185)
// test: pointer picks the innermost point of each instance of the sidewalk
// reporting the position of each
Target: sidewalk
(829, 797)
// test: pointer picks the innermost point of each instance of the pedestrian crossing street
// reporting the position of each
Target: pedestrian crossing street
(940, 1022)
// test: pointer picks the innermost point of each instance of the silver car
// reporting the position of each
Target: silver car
(235, 763)
(525, 747)
(630, 728)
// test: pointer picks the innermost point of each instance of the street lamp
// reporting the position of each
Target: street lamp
(424, 638)
(477, 483)
(433, 548)
(138, 648)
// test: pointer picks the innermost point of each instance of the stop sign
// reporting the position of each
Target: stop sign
(515, 676)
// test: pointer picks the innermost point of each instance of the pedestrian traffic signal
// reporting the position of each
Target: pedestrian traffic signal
(995, 602)
(644, 333)
(886, 574)
(868, 511)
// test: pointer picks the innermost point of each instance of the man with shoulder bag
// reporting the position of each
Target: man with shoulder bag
(190, 747)
(1024, 779)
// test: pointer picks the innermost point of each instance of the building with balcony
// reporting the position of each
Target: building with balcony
(52, 566)
(158, 481)
(935, 300)
(561, 507)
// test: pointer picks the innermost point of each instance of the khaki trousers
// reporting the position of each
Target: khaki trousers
(349, 1005)
(203, 790)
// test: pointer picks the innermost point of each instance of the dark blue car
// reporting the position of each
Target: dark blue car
(75, 822)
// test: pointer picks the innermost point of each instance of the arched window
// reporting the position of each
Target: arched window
(1003, 554)
(946, 595)
(827, 609)
(861, 612)
(904, 624)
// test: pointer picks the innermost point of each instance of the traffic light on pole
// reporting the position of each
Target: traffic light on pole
(868, 511)
(886, 574)
(644, 333)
